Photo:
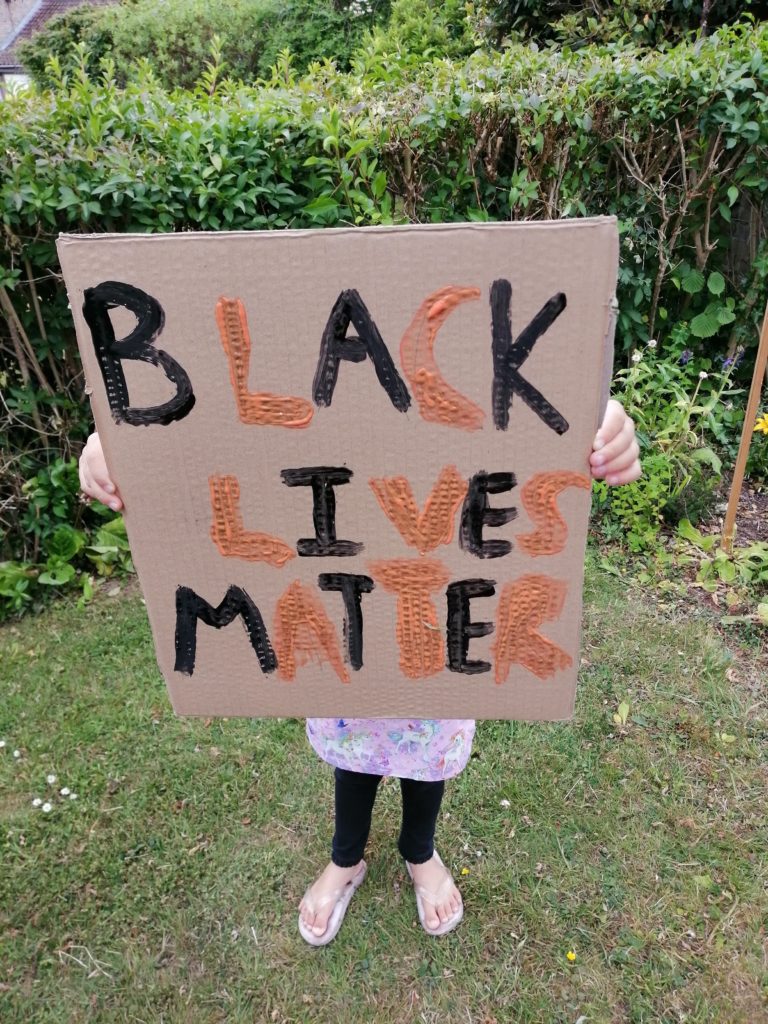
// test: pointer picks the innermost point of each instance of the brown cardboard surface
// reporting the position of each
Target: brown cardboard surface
(173, 475)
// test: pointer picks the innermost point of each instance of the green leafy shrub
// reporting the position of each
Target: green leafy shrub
(741, 573)
(671, 143)
(67, 541)
(175, 37)
(682, 407)
(637, 22)
(81, 37)
(420, 30)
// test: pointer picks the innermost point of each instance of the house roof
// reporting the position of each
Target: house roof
(34, 20)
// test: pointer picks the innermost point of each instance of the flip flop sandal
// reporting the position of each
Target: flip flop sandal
(340, 897)
(435, 897)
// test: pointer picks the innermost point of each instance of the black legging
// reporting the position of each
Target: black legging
(355, 796)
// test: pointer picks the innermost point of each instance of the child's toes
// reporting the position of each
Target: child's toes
(319, 923)
(433, 917)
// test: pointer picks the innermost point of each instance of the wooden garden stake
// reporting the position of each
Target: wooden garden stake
(746, 436)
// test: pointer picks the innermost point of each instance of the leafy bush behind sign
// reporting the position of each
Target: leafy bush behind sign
(673, 143)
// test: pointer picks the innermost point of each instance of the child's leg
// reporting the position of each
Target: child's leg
(355, 796)
(355, 793)
(421, 805)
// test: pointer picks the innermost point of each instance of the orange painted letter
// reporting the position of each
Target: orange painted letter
(302, 628)
(438, 401)
(434, 526)
(229, 534)
(523, 606)
(259, 408)
(422, 652)
(539, 496)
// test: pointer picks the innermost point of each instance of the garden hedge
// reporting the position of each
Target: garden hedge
(674, 144)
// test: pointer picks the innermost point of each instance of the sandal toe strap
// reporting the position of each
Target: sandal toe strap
(436, 896)
(314, 904)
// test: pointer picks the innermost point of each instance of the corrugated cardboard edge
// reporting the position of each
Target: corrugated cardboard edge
(382, 229)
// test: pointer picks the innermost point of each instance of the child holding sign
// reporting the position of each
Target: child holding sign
(422, 753)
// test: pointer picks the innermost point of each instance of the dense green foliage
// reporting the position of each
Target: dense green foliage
(674, 144)
(64, 541)
(176, 36)
(420, 30)
(81, 37)
(637, 22)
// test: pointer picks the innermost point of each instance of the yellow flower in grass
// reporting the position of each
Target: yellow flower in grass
(465, 871)
(762, 423)
(570, 956)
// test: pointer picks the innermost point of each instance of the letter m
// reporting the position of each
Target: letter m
(190, 607)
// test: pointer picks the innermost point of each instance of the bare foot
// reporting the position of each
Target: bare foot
(432, 875)
(333, 877)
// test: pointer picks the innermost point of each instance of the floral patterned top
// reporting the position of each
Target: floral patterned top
(427, 749)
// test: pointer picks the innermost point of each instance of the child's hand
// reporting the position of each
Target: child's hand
(94, 475)
(615, 455)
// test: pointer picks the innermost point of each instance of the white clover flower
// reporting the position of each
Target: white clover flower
(2, 744)
(636, 357)
(50, 779)
(504, 803)
(73, 796)
(36, 802)
(652, 343)
(46, 808)
(17, 753)
(64, 791)
(703, 375)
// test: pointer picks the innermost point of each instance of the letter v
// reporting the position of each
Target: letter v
(434, 526)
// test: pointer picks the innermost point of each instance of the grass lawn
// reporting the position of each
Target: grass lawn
(167, 891)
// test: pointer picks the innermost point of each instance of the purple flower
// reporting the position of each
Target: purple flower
(685, 356)
(733, 360)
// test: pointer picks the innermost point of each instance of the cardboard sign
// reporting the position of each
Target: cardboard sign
(354, 462)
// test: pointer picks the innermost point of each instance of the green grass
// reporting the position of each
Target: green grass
(167, 891)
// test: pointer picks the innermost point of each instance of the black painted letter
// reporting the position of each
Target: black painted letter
(190, 607)
(139, 344)
(322, 480)
(508, 357)
(475, 514)
(352, 588)
(335, 346)
(460, 627)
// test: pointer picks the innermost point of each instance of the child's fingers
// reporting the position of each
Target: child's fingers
(97, 489)
(622, 461)
(625, 476)
(619, 444)
(100, 489)
(613, 421)
(94, 475)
